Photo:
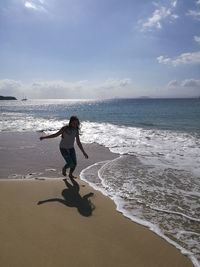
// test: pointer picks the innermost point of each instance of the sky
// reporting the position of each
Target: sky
(99, 48)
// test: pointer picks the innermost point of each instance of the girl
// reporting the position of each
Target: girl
(69, 133)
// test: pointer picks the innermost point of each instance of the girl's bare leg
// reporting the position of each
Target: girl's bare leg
(64, 171)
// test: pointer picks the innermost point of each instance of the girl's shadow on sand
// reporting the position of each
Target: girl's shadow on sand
(72, 198)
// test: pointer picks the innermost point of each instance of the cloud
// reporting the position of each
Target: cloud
(191, 83)
(188, 83)
(30, 5)
(36, 5)
(197, 39)
(113, 83)
(173, 83)
(183, 59)
(184, 88)
(190, 58)
(11, 87)
(62, 89)
(160, 14)
(195, 13)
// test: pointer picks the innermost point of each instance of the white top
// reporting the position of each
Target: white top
(68, 138)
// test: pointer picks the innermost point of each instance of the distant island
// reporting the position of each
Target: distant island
(144, 97)
(7, 97)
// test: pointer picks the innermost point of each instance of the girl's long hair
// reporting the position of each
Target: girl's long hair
(74, 118)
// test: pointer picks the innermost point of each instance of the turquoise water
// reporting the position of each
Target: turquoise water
(155, 181)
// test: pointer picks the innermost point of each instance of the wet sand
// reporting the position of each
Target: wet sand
(74, 225)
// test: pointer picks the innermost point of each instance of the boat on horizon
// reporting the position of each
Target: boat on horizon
(24, 98)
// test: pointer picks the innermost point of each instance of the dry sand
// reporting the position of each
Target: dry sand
(61, 233)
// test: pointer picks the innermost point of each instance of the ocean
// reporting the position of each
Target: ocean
(155, 180)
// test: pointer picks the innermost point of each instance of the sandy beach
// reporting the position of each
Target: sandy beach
(74, 225)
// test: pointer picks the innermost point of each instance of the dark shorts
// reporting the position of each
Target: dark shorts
(70, 157)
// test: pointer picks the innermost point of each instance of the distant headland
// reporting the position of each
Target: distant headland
(7, 97)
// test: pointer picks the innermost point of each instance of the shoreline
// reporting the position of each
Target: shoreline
(154, 229)
(139, 248)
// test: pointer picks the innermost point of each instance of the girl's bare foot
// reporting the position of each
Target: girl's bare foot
(72, 176)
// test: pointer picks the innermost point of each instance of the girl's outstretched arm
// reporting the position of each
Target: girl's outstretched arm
(80, 146)
(52, 135)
